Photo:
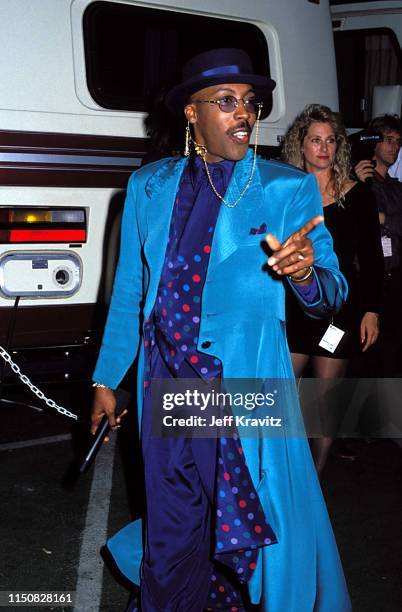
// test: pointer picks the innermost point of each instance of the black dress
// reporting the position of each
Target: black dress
(355, 230)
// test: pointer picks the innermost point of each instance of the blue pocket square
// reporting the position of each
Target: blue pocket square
(258, 230)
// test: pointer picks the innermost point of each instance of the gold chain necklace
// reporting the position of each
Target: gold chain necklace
(202, 152)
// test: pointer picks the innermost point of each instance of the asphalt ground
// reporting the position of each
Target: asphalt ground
(53, 524)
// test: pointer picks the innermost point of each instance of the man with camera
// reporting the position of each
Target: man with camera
(388, 193)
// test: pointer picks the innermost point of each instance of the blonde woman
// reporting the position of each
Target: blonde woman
(317, 143)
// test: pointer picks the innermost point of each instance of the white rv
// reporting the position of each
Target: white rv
(77, 78)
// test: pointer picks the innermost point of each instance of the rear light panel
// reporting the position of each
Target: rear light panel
(28, 225)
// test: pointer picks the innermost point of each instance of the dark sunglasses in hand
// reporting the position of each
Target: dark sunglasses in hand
(228, 104)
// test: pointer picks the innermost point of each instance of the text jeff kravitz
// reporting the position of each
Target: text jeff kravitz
(225, 421)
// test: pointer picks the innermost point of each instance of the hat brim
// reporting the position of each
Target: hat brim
(178, 97)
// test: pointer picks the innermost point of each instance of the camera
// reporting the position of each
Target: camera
(362, 145)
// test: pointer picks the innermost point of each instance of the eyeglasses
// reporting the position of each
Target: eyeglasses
(228, 104)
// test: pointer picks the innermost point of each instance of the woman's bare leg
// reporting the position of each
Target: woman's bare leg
(299, 362)
(327, 370)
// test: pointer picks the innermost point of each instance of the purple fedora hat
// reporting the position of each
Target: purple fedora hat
(216, 67)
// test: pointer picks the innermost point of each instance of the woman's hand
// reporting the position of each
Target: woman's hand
(364, 169)
(295, 256)
(369, 329)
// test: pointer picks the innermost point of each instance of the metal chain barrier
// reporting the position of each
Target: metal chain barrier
(24, 379)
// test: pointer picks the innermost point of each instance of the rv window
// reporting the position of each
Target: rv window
(133, 52)
(364, 59)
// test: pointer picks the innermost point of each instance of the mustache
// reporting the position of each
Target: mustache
(242, 125)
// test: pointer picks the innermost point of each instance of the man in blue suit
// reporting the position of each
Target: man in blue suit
(235, 521)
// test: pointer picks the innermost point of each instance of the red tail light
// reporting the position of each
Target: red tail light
(42, 225)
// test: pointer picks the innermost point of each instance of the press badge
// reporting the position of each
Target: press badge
(386, 246)
(331, 338)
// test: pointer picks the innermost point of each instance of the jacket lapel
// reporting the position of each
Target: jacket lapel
(160, 190)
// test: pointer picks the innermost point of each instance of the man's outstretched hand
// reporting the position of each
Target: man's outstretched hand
(295, 255)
